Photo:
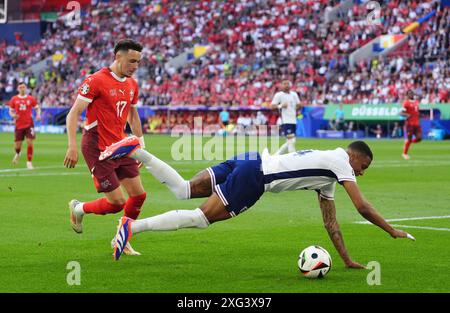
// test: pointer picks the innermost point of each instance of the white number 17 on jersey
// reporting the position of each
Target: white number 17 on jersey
(120, 106)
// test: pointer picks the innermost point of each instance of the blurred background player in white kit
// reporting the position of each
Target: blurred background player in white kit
(287, 102)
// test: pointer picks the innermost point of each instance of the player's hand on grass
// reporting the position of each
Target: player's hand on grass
(401, 234)
(351, 264)
(71, 158)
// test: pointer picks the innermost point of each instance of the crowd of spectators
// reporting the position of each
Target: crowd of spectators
(255, 44)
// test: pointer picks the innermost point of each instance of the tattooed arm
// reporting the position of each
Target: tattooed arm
(329, 219)
(369, 213)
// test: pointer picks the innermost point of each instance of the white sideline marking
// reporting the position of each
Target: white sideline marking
(421, 227)
(408, 219)
(409, 163)
(24, 169)
(43, 174)
(412, 219)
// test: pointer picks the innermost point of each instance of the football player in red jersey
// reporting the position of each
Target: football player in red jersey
(412, 124)
(110, 97)
(21, 110)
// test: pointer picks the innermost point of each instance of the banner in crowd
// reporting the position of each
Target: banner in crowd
(382, 112)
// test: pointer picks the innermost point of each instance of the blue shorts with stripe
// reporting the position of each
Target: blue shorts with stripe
(288, 129)
(239, 182)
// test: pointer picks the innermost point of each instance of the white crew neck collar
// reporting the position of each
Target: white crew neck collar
(120, 79)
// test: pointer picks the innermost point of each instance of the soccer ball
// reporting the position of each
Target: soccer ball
(314, 262)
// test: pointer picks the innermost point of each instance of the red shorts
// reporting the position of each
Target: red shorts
(411, 130)
(20, 134)
(106, 174)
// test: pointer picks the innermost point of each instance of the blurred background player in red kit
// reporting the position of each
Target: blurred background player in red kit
(412, 123)
(21, 110)
(110, 97)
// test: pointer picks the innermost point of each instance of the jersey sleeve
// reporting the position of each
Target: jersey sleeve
(134, 101)
(88, 90)
(34, 102)
(327, 192)
(404, 106)
(342, 169)
(11, 103)
(297, 99)
(276, 99)
(344, 173)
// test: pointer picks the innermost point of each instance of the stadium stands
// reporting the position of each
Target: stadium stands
(255, 45)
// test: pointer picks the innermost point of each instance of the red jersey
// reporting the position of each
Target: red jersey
(412, 108)
(110, 98)
(23, 106)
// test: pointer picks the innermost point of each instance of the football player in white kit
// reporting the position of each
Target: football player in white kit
(236, 184)
(287, 102)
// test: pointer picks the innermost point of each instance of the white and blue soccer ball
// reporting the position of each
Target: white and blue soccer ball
(314, 262)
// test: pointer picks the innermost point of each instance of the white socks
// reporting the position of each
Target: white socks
(78, 209)
(282, 149)
(164, 173)
(171, 220)
(288, 146)
(291, 144)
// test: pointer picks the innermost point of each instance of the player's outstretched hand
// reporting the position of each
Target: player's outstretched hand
(351, 264)
(71, 158)
(402, 234)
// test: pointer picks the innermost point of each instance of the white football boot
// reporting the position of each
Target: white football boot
(76, 218)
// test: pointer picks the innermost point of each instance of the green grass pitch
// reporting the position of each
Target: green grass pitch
(254, 252)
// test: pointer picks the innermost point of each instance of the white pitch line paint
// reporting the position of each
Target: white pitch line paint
(421, 227)
(409, 219)
(13, 170)
(43, 174)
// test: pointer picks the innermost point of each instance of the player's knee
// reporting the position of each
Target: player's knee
(200, 185)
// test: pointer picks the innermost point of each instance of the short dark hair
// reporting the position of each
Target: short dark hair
(21, 83)
(127, 44)
(361, 147)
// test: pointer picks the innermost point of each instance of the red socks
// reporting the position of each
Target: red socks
(101, 206)
(406, 146)
(408, 143)
(30, 153)
(133, 206)
(17, 151)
